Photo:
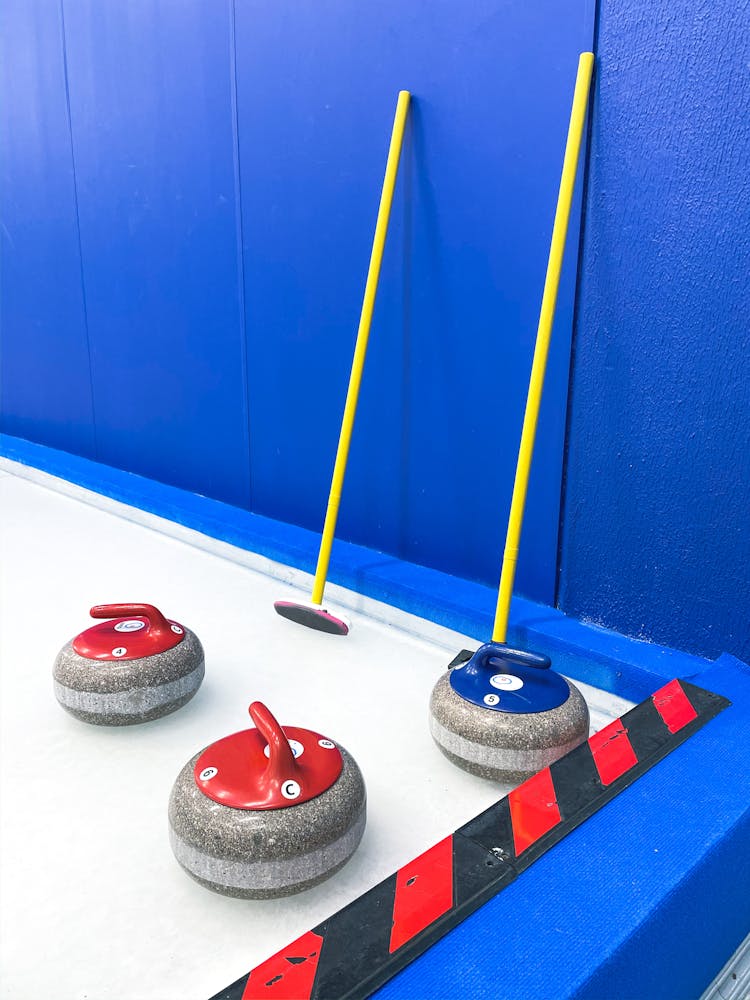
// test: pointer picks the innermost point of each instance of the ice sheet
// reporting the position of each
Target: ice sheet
(92, 903)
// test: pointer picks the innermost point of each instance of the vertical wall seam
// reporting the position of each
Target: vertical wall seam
(78, 229)
(576, 310)
(240, 236)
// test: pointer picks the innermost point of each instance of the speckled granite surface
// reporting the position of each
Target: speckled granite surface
(125, 692)
(265, 853)
(504, 746)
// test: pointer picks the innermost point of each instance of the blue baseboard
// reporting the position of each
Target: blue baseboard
(626, 667)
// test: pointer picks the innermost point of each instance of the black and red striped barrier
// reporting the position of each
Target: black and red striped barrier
(359, 948)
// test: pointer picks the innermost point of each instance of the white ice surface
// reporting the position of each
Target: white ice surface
(92, 903)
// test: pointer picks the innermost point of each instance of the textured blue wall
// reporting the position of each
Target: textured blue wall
(189, 193)
(656, 535)
(436, 438)
(152, 121)
(45, 383)
(120, 315)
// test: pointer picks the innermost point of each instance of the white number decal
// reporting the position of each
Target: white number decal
(291, 790)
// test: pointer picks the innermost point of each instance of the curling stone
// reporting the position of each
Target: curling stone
(503, 714)
(267, 812)
(135, 667)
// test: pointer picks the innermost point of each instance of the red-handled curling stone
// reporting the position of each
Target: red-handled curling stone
(135, 666)
(267, 811)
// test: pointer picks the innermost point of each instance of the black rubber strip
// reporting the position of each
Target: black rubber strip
(354, 940)
(355, 959)
(492, 829)
(233, 992)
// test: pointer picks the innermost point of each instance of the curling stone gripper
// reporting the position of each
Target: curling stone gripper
(504, 714)
(509, 680)
(268, 811)
(145, 632)
(267, 767)
(136, 665)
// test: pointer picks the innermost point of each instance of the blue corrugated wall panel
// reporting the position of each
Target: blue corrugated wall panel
(151, 97)
(45, 386)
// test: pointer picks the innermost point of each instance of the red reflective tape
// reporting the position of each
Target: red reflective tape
(289, 974)
(533, 810)
(612, 752)
(674, 706)
(424, 892)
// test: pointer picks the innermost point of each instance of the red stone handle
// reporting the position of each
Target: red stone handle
(158, 624)
(281, 763)
(256, 768)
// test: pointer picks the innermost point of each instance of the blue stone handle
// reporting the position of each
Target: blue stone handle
(498, 651)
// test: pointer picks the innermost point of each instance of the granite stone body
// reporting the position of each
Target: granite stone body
(125, 692)
(504, 746)
(266, 853)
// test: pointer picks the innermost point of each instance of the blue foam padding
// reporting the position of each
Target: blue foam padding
(610, 661)
(648, 898)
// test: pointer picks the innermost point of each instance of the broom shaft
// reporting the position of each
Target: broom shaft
(541, 350)
(360, 349)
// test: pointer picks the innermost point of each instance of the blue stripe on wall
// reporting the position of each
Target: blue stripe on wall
(656, 540)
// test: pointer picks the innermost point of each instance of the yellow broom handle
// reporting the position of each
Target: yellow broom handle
(544, 331)
(360, 350)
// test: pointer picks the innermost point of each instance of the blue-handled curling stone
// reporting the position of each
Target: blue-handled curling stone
(503, 714)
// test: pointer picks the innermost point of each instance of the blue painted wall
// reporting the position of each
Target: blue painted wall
(152, 120)
(656, 536)
(188, 193)
(122, 331)
(45, 381)
(188, 202)
(437, 433)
